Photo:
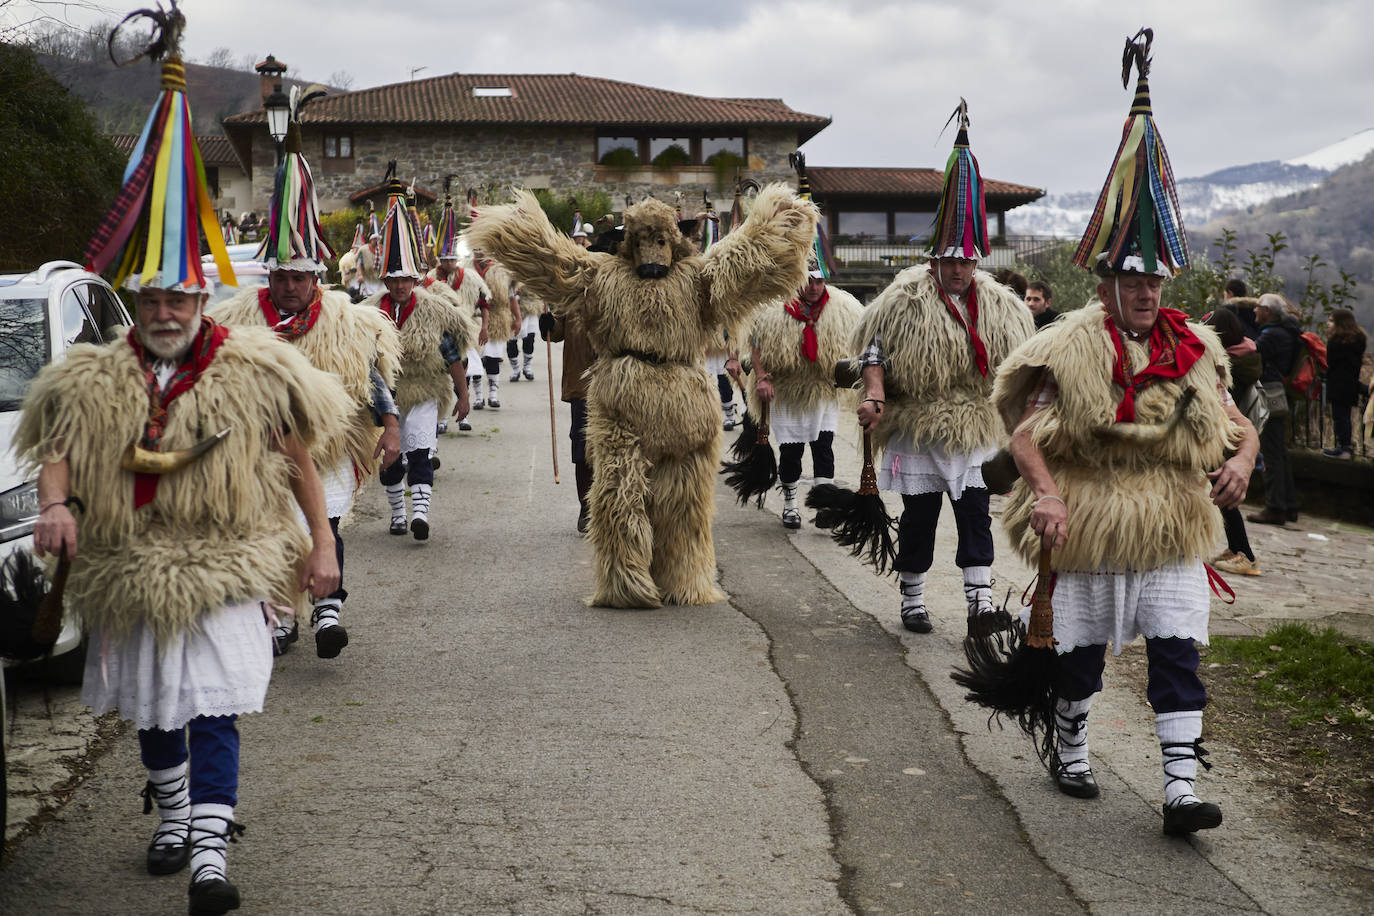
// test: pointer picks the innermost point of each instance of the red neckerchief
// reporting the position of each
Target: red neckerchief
(1173, 350)
(807, 315)
(292, 327)
(389, 309)
(198, 357)
(980, 352)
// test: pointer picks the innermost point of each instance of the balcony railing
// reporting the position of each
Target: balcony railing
(1310, 425)
(866, 252)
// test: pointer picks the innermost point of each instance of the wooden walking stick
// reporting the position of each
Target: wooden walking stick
(553, 426)
(1016, 678)
(859, 520)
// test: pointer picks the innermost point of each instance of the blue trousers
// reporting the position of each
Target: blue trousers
(413, 467)
(1173, 684)
(213, 751)
(916, 530)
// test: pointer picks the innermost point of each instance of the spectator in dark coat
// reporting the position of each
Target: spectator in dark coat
(1038, 297)
(1345, 343)
(1239, 558)
(1278, 346)
(1234, 300)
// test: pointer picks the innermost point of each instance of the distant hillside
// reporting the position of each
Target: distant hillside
(121, 97)
(1209, 197)
(1334, 219)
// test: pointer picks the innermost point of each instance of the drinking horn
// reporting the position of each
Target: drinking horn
(145, 461)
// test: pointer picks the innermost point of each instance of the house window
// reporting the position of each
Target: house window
(338, 146)
(718, 149)
(854, 223)
(670, 151)
(620, 151)
(667, 152)
(912, 224)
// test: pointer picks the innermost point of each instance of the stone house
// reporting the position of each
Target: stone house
(562, 132)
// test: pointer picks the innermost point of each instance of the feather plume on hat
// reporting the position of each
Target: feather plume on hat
(151, 234)
(820, 245)
(1137, 224)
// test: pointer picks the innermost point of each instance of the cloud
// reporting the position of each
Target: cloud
(1234, 81)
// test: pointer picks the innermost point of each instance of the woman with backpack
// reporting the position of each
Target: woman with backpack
(1345, 345)
(1239, 558)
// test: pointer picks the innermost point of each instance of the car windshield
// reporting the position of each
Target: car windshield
(23, 347)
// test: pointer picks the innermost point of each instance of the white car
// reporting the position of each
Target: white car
(249, 271)
(42, 313)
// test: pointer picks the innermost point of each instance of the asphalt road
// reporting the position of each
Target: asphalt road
(489, 744)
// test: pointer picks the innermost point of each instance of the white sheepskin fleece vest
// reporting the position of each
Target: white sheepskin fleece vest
(796, 380)
(934, 391)
(424, 376)
(1131, 506)
(346, 341)
(220, 530)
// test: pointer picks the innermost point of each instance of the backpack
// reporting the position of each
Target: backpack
(1309, 367)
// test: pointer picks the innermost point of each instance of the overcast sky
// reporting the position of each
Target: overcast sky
(1234, 81)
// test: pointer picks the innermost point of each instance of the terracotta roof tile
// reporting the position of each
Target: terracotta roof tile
(544, 99)
(214, 148)
(832, 180)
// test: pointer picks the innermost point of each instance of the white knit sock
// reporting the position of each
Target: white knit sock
(493, 386)
(326, 613)
(396, 496)
(211, 828)
(419, 500)
(913, 586)
(168, 790)
(978, 589)
(1071, 726)
(789, 497)
(1179, 734)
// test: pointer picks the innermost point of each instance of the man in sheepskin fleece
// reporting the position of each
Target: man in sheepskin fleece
(502, 324)
(794, 346)
(185, 447)
(931, 343)
(434, 331)
(653, 428)
(1123, 431)
(358, 346)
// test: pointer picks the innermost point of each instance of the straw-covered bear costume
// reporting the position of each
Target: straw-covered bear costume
(654, 427)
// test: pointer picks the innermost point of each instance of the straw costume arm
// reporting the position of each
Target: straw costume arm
(521, 237)
(764, 259)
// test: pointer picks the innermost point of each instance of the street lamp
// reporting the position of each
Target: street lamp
(278, 108)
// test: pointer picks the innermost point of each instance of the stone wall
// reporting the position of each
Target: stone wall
(557, 158)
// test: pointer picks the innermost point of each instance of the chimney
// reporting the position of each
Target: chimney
(270, 73)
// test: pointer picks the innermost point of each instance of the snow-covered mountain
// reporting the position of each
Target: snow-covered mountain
(1203, 199)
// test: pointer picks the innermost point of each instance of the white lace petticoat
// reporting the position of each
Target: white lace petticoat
(221, 669)
(788, 425)
(419, 427)
(912, 471)
(1098, 607)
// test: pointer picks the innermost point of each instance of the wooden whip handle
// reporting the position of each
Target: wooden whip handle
(761, 437)
(868, 478)
(1040, 633)
(47, 623)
